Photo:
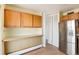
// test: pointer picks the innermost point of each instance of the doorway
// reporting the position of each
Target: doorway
(53, 30)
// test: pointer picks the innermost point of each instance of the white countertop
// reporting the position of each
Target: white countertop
(12, 38)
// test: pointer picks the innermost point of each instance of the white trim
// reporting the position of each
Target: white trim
(25, 50)
(44, 28)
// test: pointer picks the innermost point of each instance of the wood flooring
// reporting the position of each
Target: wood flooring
(48, 50)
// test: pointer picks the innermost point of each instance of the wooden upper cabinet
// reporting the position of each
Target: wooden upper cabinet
(26, 20)
(37, 21)
(64, 18)
(74, 16)
(20, 19)
(11, 18)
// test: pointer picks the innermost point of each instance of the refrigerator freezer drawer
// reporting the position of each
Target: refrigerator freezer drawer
(71, 48)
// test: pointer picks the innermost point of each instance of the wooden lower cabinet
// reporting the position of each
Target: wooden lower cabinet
(62, 37)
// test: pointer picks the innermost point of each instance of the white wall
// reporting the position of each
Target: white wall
(30, 11)
(53, 30)
(46, 27)
(1, 27)
(22, 31)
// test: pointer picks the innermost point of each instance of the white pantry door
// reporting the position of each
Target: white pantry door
(50, 29)
(53, 30)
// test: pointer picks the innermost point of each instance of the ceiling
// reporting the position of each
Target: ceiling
(48, 8)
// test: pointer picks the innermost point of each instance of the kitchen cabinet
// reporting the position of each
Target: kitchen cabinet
(73, 16)
(26, 20)
(62, 37)
(11, 18)
(37, 21)
(64, 18)
(19, 19)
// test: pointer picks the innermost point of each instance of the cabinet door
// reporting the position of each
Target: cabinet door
(64, 18)
(37, 21)
(11, 18)
(62, 37)
(26, 20)
(74, 16)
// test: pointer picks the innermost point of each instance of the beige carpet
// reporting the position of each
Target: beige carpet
(48, 50)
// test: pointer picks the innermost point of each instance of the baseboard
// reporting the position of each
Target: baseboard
(25, 50)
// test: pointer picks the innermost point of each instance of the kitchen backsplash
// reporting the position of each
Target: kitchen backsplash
(21, 31)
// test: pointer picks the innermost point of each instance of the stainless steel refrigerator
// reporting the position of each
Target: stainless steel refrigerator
(71, 37)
